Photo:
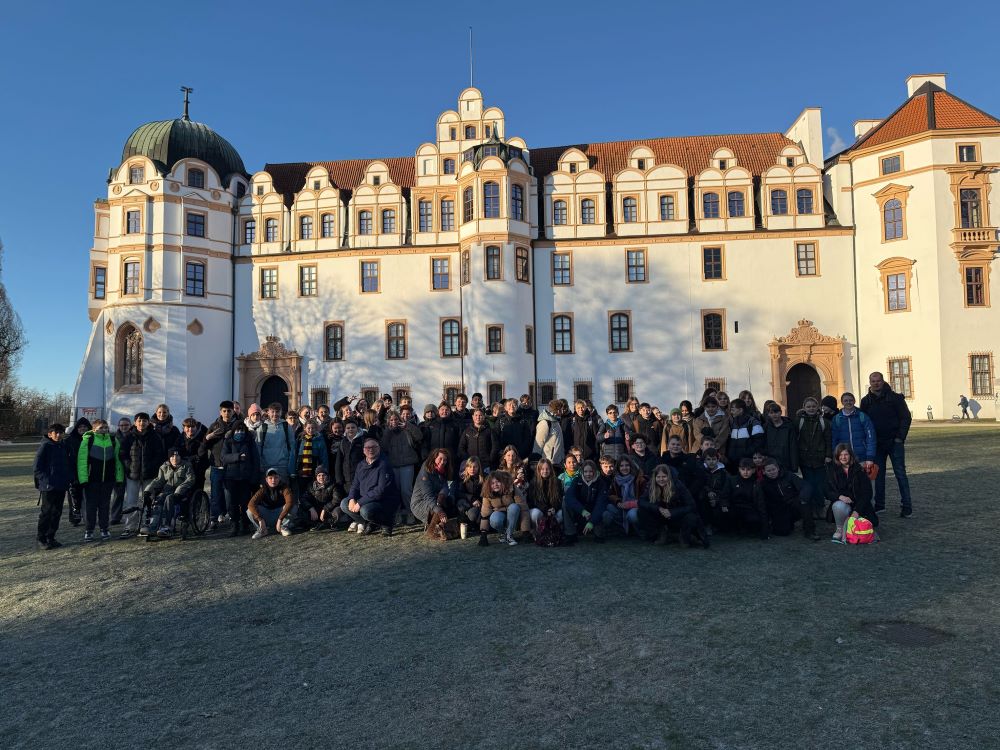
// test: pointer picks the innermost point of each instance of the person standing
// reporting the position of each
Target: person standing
(72, 446)
(142, 454)
(891, 418)
(964, 403)
(52, 479)
(98, 469)
(118, 499)
(218, 431)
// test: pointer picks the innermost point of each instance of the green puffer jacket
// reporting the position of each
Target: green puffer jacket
(98, 459)
(179, 478)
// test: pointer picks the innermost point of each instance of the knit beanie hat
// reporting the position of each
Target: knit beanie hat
(430, 407)
(829, 402)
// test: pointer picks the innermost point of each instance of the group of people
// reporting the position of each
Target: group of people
(724, 466)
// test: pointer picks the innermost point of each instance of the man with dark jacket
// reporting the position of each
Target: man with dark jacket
(788, 499)
(52, 478)
(891, 418)
(373, 497)
(118, 499)
(218, 431)
(442, 432)
(645, 424)
(689, 469)
(580, 430)
(190, 446)
(781, 440)
(270, 505)
(460, 415)
(72, 446)
(142, 455)
(478, 441)
(746, 435)
(512, 429)
(349, 454)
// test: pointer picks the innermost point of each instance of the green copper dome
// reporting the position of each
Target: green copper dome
(168, 141)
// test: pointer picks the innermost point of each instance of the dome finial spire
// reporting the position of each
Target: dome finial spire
(187, 92)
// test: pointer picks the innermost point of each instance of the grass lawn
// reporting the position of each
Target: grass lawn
(330, 640)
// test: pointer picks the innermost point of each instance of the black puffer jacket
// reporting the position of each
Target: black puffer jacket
(165, 428)
(142, 454)
(515, 431)
(479, 442)
(72, 444)
(440, 433)
(241, 459)
(581, 432)
(889, 414)
(346, 459)
(781, 442)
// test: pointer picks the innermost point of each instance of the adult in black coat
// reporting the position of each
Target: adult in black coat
(580, 430)
(141, 454)
(191, 447)
(513, 429)
(349, 454)
(891, 418)
(478, 440)
(441, 432)
(72, 447)
(163, 423)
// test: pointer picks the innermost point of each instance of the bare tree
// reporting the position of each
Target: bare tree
(12, 341)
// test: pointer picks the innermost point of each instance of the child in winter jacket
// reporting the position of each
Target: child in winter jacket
(747, 509)
(98, 469)
(713, 500)
(172, 485)
(52, 478)
(504, 507)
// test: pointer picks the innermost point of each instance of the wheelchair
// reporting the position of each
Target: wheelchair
(192, 514)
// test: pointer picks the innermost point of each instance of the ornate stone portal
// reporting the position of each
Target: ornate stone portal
(806, 345)
(272, 359)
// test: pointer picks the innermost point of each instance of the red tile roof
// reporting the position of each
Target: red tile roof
(290, 178)
(755, 151)
(930, 108)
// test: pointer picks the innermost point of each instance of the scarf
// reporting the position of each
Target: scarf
(626, 486)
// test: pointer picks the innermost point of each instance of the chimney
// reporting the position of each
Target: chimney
(863, 126)
(914, 82)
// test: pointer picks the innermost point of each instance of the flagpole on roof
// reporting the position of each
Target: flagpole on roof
(471, 68)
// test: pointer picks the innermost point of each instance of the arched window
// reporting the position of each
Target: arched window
(327, 225)
(491, 200)
(559, 212)
(305, 227)
(620, 332)
(467, 205)
(249, 231)
(630, 210)
(710, 205)
(365, 222)
(779, 202)
(449, 166)
(804, 201)
(128, 359)
(196, 178)
(388, 221)
(562, 334)
(271, 230)
(450, 338)
(892, 214)
(970, 212)
(736, 207)
(587, 213)
(711, 326)
(334, 348)
(517, 202)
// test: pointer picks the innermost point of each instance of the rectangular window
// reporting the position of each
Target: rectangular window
(891, 164)
(562, 269)
(133, 222)
(308, 283)
(713, 330)
(805, 259)
(588, 213)
(136, 175)
(369, 276)
(467, 205)
(395, 339)
(623, 391)
(572, 168)
(320, 397)
(365, 222)
(440, 273)
(334, 349)
(630, 210)
(547, 392)
(100, 282)
(305, 227)
(899, 376)
(975, 289)
(388, 221)
(666, 208)
(895, 284)
(712, 264)
(522, 269)
(194, 279)
(327, 225)
(582, 390)
(981, 367)
(196, 178)
(517, 203)
(271, 230)
(494, 339)
(370, 393)
(736, 207)
(425, 212)
(494, 392)
(559, 212)
(268, 283)
(968, 152)
(195, 224)
(249, 231)
(494, 263)
(529, 340)
(636, 263)
(466, 267)
(447, 215)
(131, 277)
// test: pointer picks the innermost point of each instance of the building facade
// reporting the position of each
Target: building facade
(657, 266)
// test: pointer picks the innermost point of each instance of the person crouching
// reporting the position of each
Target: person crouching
(270, 506)
(504, 506)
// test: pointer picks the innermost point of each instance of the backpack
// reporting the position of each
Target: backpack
(549, 532)
(263, 435)
(859, 531)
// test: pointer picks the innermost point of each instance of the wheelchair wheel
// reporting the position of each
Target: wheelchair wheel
(199, 513)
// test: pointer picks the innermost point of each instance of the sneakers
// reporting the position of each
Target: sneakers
(368, 529)
(360, 529)
(905, 512)
(260, 533)
(353, 527)
(285, 531)
(511, 541)
(105, 536)
(126, 534)
(164, 532)
(502, 538)
(144, 530)
(88, 536)
(53, 544)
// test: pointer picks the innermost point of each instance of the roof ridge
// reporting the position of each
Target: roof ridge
(665, 138)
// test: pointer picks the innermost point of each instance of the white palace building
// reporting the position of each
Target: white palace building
(591, 270)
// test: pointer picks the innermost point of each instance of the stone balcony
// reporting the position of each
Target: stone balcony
(974, 236)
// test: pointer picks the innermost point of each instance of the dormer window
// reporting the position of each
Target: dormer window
(641, 163)
(572, 168)
(789, 161)
(453, 133)
(260, 190)
(470, 131)
(196, 178)
(376, 180)
(723, 164)
(136, 175)
(491, 151)
(315, 184)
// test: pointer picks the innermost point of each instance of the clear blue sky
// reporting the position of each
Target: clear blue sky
(306, 81)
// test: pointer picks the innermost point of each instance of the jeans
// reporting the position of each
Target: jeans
(164, 510)
(536, 516)
(897, 455)
(117, 503)
(404, 480)
(816, 479)
(133, 502)
(627, 518)
(269, 517)
(97, 503)
(217, 485)
(510, 519)
(573, 520)
(376, 513)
